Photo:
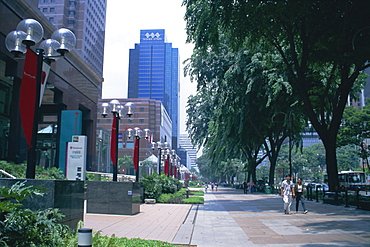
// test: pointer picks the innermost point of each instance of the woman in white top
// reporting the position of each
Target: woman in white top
(299, 189)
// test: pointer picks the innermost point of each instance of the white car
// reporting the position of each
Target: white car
(319, 186)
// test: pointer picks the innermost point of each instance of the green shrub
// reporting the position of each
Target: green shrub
(24, 227)
(195, 184)
(193, 200)
(155, 185)
(19, 171)
(197, 193)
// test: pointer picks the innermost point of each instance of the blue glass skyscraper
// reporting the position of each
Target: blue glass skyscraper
(154, 74)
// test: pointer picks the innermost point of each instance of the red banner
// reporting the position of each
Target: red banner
(113, 142)
(28, 95)
(136, 155)
(166, 164)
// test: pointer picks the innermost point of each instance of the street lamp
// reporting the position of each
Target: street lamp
(30, 32)
(137, 132)
(116, 109)
(159, 147)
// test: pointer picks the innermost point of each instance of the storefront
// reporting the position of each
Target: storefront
(69, 103)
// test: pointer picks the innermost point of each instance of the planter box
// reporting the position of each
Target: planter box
(121, 198)
(66, 195)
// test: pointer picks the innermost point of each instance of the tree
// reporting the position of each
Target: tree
(241, 106)
(355, 129)
(323, 44)
(125, 164)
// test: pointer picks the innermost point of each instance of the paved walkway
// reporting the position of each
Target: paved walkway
(230, 218)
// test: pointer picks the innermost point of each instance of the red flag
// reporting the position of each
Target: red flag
(166, 163)
(28, 95)
(136, 155)
(113, 142)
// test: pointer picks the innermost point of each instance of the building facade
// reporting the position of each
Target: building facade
(154, 74)
(87, 20)
(149, 114)
(185, 143)
(71, 95)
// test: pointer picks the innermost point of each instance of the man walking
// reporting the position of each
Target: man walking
(287, 192)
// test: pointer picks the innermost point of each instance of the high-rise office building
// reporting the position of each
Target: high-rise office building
(185, 143)
(87, 20)
(154, 74)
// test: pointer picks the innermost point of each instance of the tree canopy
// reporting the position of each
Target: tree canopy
(322, 44)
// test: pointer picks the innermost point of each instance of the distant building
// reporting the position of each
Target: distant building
(149, 114)
(87, 20)
(186, 144)
(154, 74)
(185, 158)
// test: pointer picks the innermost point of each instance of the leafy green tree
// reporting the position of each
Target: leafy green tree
(125, 164)
(323, 45)
(355, 129)
(241, 106)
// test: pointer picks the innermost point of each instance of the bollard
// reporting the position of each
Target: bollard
(84, 237)
(317, 194)
(346, 195)
(358, 198)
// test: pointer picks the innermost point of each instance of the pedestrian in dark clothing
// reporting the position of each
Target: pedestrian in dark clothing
(245, 186)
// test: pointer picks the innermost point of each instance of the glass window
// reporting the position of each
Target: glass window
(51, 19)
(44, 10)
(52, 9)
(72, 3)
(129, 145)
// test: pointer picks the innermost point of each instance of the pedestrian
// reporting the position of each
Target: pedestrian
(299, 189)
(216, 186)
(205, 188)
(212, 186)
(245, 186)
(251, 187)
(287, 192)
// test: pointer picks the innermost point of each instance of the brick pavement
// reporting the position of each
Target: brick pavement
(230, 218)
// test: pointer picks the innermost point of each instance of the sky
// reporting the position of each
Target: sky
(124, 21)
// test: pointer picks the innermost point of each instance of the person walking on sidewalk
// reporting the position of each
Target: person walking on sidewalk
(287, 192)
(299, 189)
(245, 186)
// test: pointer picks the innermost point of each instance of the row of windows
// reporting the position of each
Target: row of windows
(46, 1)
(45, 10)
(96, 16)
(109, 120)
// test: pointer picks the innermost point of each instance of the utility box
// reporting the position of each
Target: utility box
(76, 158)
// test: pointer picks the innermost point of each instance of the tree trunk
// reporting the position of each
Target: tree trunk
(272, 169)
(329, 142)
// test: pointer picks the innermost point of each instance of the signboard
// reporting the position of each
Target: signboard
(71, 125)
(76, 158)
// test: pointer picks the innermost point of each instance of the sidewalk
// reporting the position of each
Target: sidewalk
(230, 218)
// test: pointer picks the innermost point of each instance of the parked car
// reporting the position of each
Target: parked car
(319, 186)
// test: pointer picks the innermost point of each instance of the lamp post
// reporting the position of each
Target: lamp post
(116, 109)
(30, 32)
(159, 146)
(137, 133)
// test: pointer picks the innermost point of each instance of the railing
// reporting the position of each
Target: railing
(7, 174)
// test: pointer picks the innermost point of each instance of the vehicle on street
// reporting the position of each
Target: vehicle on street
(350, 180)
